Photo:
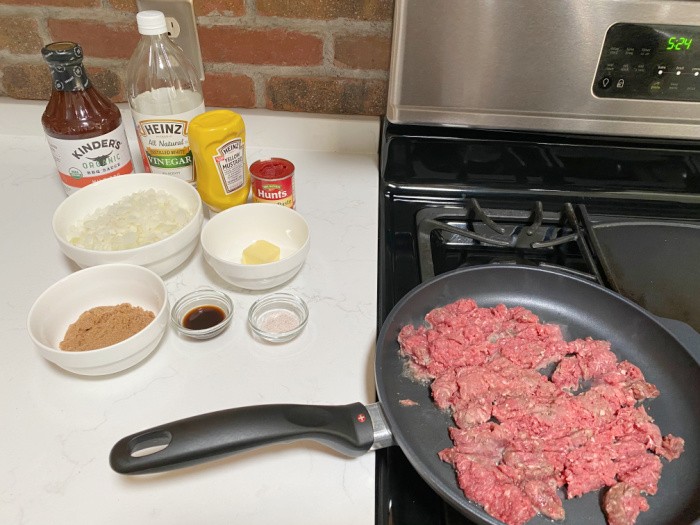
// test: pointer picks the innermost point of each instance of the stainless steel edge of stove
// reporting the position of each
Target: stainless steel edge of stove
(526, 65)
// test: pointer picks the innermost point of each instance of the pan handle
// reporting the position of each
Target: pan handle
(346, 428)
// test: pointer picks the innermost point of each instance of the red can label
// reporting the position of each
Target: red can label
(272, 181)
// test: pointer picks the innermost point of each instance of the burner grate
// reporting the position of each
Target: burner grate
(451, 237)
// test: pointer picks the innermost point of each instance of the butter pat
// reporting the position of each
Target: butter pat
(261, 252)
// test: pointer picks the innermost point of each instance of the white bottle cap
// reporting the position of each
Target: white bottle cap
(151, 23)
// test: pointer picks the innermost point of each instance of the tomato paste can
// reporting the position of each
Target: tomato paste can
(272, 181)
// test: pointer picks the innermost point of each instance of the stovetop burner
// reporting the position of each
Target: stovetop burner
(452, 237)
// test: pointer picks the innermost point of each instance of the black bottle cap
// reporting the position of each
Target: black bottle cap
(65, 60)
(63, 53)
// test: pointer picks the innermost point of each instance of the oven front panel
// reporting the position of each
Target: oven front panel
(650, 62)
(613, 67)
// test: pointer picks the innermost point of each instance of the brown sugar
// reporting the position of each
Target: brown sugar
(104, 326)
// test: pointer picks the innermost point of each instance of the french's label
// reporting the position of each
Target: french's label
(83, 161)
(164, 145)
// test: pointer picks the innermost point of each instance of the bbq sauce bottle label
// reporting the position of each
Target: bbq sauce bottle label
(81, 162)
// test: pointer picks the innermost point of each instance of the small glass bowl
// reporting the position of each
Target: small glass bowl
(200, 298)
(278, 317)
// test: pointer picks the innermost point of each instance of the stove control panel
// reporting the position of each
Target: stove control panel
(650, 62)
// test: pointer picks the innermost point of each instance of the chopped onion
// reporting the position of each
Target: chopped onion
(142, 218)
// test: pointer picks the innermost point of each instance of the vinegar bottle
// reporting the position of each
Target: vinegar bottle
(83, 127)
(164, 93)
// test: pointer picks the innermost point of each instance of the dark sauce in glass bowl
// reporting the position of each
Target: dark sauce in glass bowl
(203, 317)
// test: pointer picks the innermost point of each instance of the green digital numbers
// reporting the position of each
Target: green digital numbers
(678, 43)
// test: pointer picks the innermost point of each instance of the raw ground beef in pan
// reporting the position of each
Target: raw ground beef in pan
(522, 438)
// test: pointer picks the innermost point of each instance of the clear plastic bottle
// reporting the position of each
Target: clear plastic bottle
(83, 127)
(164, 93)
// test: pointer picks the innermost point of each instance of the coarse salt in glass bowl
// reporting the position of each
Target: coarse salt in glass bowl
(196, 303)
(278, 317)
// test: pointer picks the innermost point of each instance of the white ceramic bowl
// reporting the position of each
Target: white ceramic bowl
(162, 256)
(228, 233)
(105, 285)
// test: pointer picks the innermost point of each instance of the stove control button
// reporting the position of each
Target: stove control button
(605, 82)
(656, 87)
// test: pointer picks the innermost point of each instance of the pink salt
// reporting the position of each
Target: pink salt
(279, 321)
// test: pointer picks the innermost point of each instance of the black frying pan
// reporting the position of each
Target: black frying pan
(581, 308)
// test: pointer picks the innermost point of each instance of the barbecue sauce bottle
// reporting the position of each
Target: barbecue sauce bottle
(83, 127)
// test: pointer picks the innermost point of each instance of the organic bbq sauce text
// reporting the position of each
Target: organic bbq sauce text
(83, 128)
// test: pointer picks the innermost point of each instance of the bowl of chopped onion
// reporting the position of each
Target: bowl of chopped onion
(146, 219)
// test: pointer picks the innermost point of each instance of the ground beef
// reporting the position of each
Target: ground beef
(623, 503)
(522, 437)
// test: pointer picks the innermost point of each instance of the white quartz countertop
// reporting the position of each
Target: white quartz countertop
(58, 428)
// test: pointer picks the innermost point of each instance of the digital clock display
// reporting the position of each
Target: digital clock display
(678, 43)
(649, 62)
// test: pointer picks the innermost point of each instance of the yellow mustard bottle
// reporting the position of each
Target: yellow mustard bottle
(217, 142)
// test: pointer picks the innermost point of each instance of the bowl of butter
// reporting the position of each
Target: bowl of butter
(256, 246)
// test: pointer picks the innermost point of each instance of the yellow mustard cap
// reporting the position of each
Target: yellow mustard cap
(218, 119)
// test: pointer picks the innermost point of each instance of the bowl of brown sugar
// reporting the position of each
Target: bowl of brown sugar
(101, 320)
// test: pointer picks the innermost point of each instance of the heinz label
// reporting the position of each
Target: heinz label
(230, 163)
(164, 144)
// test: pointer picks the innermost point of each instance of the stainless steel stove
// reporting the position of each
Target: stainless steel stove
(542, 133)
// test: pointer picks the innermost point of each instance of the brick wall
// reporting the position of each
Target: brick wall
(316, 56)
